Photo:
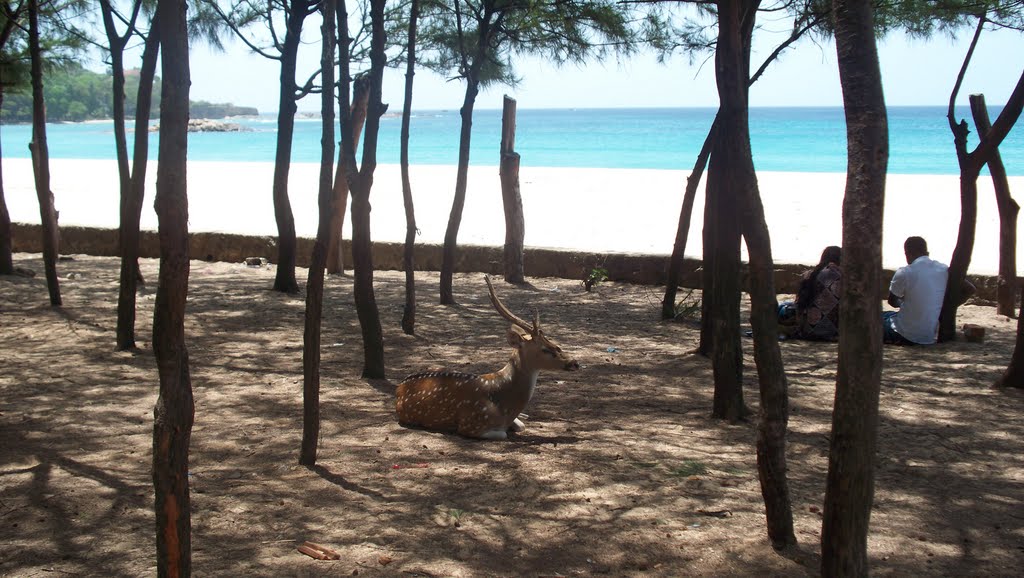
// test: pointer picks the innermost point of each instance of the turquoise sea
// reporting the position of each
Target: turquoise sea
(783, 139)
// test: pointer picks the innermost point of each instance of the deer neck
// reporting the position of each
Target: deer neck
(517, 383)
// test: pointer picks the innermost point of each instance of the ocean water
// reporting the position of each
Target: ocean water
(783, 139)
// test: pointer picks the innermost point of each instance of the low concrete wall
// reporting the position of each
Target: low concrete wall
(628, 267)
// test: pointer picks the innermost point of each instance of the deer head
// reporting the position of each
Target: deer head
(536, 350)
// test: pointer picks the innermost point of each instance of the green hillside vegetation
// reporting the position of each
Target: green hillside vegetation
(74, 94)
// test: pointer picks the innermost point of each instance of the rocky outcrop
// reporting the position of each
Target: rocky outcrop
(207, 125)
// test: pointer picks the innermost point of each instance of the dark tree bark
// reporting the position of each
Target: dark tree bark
(850, 486)
(466, 113)
(133, 181)
(726, 193)
(41, 160)
(1006, 290)
(335, 255)
(675, 262)
(971, 164)
(6, 241)
(315, 283)
(360, 181)
(6, 238)
(284, 281)
(515, 227)
(1014, 374)
(172, 427)
(409, 313)
(736, 25)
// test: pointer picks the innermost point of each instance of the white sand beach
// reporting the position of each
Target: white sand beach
(603, 210)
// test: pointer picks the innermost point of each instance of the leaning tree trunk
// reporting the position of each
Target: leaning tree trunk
(849, 490)
(335, 254)
(675, 262)
(173, 417)
(1006, 290)
(409, 313)
(1014, 374)
(512, 201)
(286, 242)
(41, 160)
(6, 244)
(315, 282)
(361, 181)
(131, 200)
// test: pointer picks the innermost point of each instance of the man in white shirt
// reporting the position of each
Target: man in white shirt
(918, 291)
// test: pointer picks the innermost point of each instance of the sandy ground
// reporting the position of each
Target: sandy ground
(603, 210)
(620, 471)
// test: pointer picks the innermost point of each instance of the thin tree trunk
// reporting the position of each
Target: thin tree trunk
(1006, 291)
(315, 283)
(6, 243)
(466, 113)
(335, 254)
(173, 417)
(725, 194)
(849, 491)
(286, 244)
(131, 199)
(1014, 374)
(707, 265)
(41, 161)
(675, 263)
(971, 164)
(774, 419)
(360, 183)
(409, 313)
(515, 227)
(459, 202)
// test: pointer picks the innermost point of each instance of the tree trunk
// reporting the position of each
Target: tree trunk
(849, 488)
(172, 427)
(41, 161)
(409, 313)
(707, 264)
(515, 227)
(315, 282)
(361, 181)
(675, 263)
(131, 199)
(286, 242)
(971, 164)
(1006, 291)
(725, 194)
(335, 255)
(1014, 374)
(466, 113)
(6, 243)
(455, 218)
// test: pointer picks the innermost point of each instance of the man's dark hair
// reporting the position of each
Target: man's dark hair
(915, 246)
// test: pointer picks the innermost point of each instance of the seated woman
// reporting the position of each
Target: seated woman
(815, 315)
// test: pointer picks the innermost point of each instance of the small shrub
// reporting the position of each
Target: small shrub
(595, 276)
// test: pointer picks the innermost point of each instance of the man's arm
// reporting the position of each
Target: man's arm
(895, 301)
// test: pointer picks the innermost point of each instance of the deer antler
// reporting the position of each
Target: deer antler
(511, 317)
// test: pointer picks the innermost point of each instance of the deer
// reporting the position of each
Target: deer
(486, 406)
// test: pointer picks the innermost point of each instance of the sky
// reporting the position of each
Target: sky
(915, 72)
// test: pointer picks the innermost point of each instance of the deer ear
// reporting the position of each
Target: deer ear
(517, 336)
